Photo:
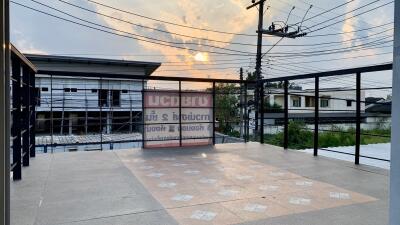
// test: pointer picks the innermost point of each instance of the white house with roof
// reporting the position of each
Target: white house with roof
(82, 105)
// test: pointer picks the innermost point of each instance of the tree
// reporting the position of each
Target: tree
(251, 76)
(227, 106)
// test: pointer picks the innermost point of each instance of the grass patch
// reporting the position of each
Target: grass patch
(301, 138)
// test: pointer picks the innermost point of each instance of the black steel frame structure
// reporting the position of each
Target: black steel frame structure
(286, 80)
(316, 76)
(143, 80)
(20, 130)
(23, 115)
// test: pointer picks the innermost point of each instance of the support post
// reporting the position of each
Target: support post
(241, 123)
(130, 114)
(180, 113)
(51, 114)
(32, 118)
(316, 116)
(143, 115)
(262, 113)
(16, 118)
(395, 151)
(86, 110)
(358, 118)
(213, 112)
(4, 113)
(246, 115)
(25, 115)
(100, 97)
(286, 115)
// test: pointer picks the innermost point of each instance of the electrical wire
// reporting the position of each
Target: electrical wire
(121, 35)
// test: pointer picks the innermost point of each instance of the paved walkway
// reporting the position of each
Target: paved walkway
(227, 184)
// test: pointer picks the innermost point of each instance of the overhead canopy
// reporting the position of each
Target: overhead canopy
(52, 63)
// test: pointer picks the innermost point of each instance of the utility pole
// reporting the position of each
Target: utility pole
(395, 153)
(257, 96)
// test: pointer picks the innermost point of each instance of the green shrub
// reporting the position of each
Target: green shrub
(301, 138)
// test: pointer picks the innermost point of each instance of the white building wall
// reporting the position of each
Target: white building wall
(335, 105)
(76, 101)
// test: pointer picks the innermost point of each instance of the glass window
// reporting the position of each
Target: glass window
(310, 101)
(349, 103)
(37, 96)
(324, 103)
(296, 102)
(116, 97)
(103, 98)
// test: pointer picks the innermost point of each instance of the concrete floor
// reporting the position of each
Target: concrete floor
(228, 184)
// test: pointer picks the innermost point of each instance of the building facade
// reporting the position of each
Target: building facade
(84, 105)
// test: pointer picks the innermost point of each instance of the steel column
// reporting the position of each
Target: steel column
(316, 116)
(143, 115)
(246, 115)
(25, 115)
(262, 113)
(16, 118)
(101, 113)
(32, 114)
(51, 113)
(286, 115)
(213, 112)
(358, 118)
(180, 113)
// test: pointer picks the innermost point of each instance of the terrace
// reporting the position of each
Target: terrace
(242, 183)
(226, 184)
(101, 141)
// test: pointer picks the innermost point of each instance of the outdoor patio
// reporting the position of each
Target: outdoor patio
(226, 184)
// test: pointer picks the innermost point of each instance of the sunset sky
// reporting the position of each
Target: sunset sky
(212, 54)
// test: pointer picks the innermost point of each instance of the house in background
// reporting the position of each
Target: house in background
(379, 112)
(336, 105)
(87, 105)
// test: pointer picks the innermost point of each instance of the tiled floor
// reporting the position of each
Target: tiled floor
(248, 184)
(227, 188)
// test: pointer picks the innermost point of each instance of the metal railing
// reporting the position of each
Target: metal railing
(357, 72)
(243, 101)
(23, 117)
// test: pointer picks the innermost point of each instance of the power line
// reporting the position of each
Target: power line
(170, 23)
(378, 45)
(370, 42)
(335, 59)
(329, 10)
(168, 32)
(155, 39)
(348, 32)
(217, 68)
(152, 28)
(370, 10)
(234, 43)
(321, 8)
(121, 35)
(336, 49)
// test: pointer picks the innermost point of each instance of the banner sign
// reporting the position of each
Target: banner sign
(161, 114)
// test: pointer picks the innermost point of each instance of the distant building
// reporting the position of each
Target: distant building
(336, 105)
(80, 105)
